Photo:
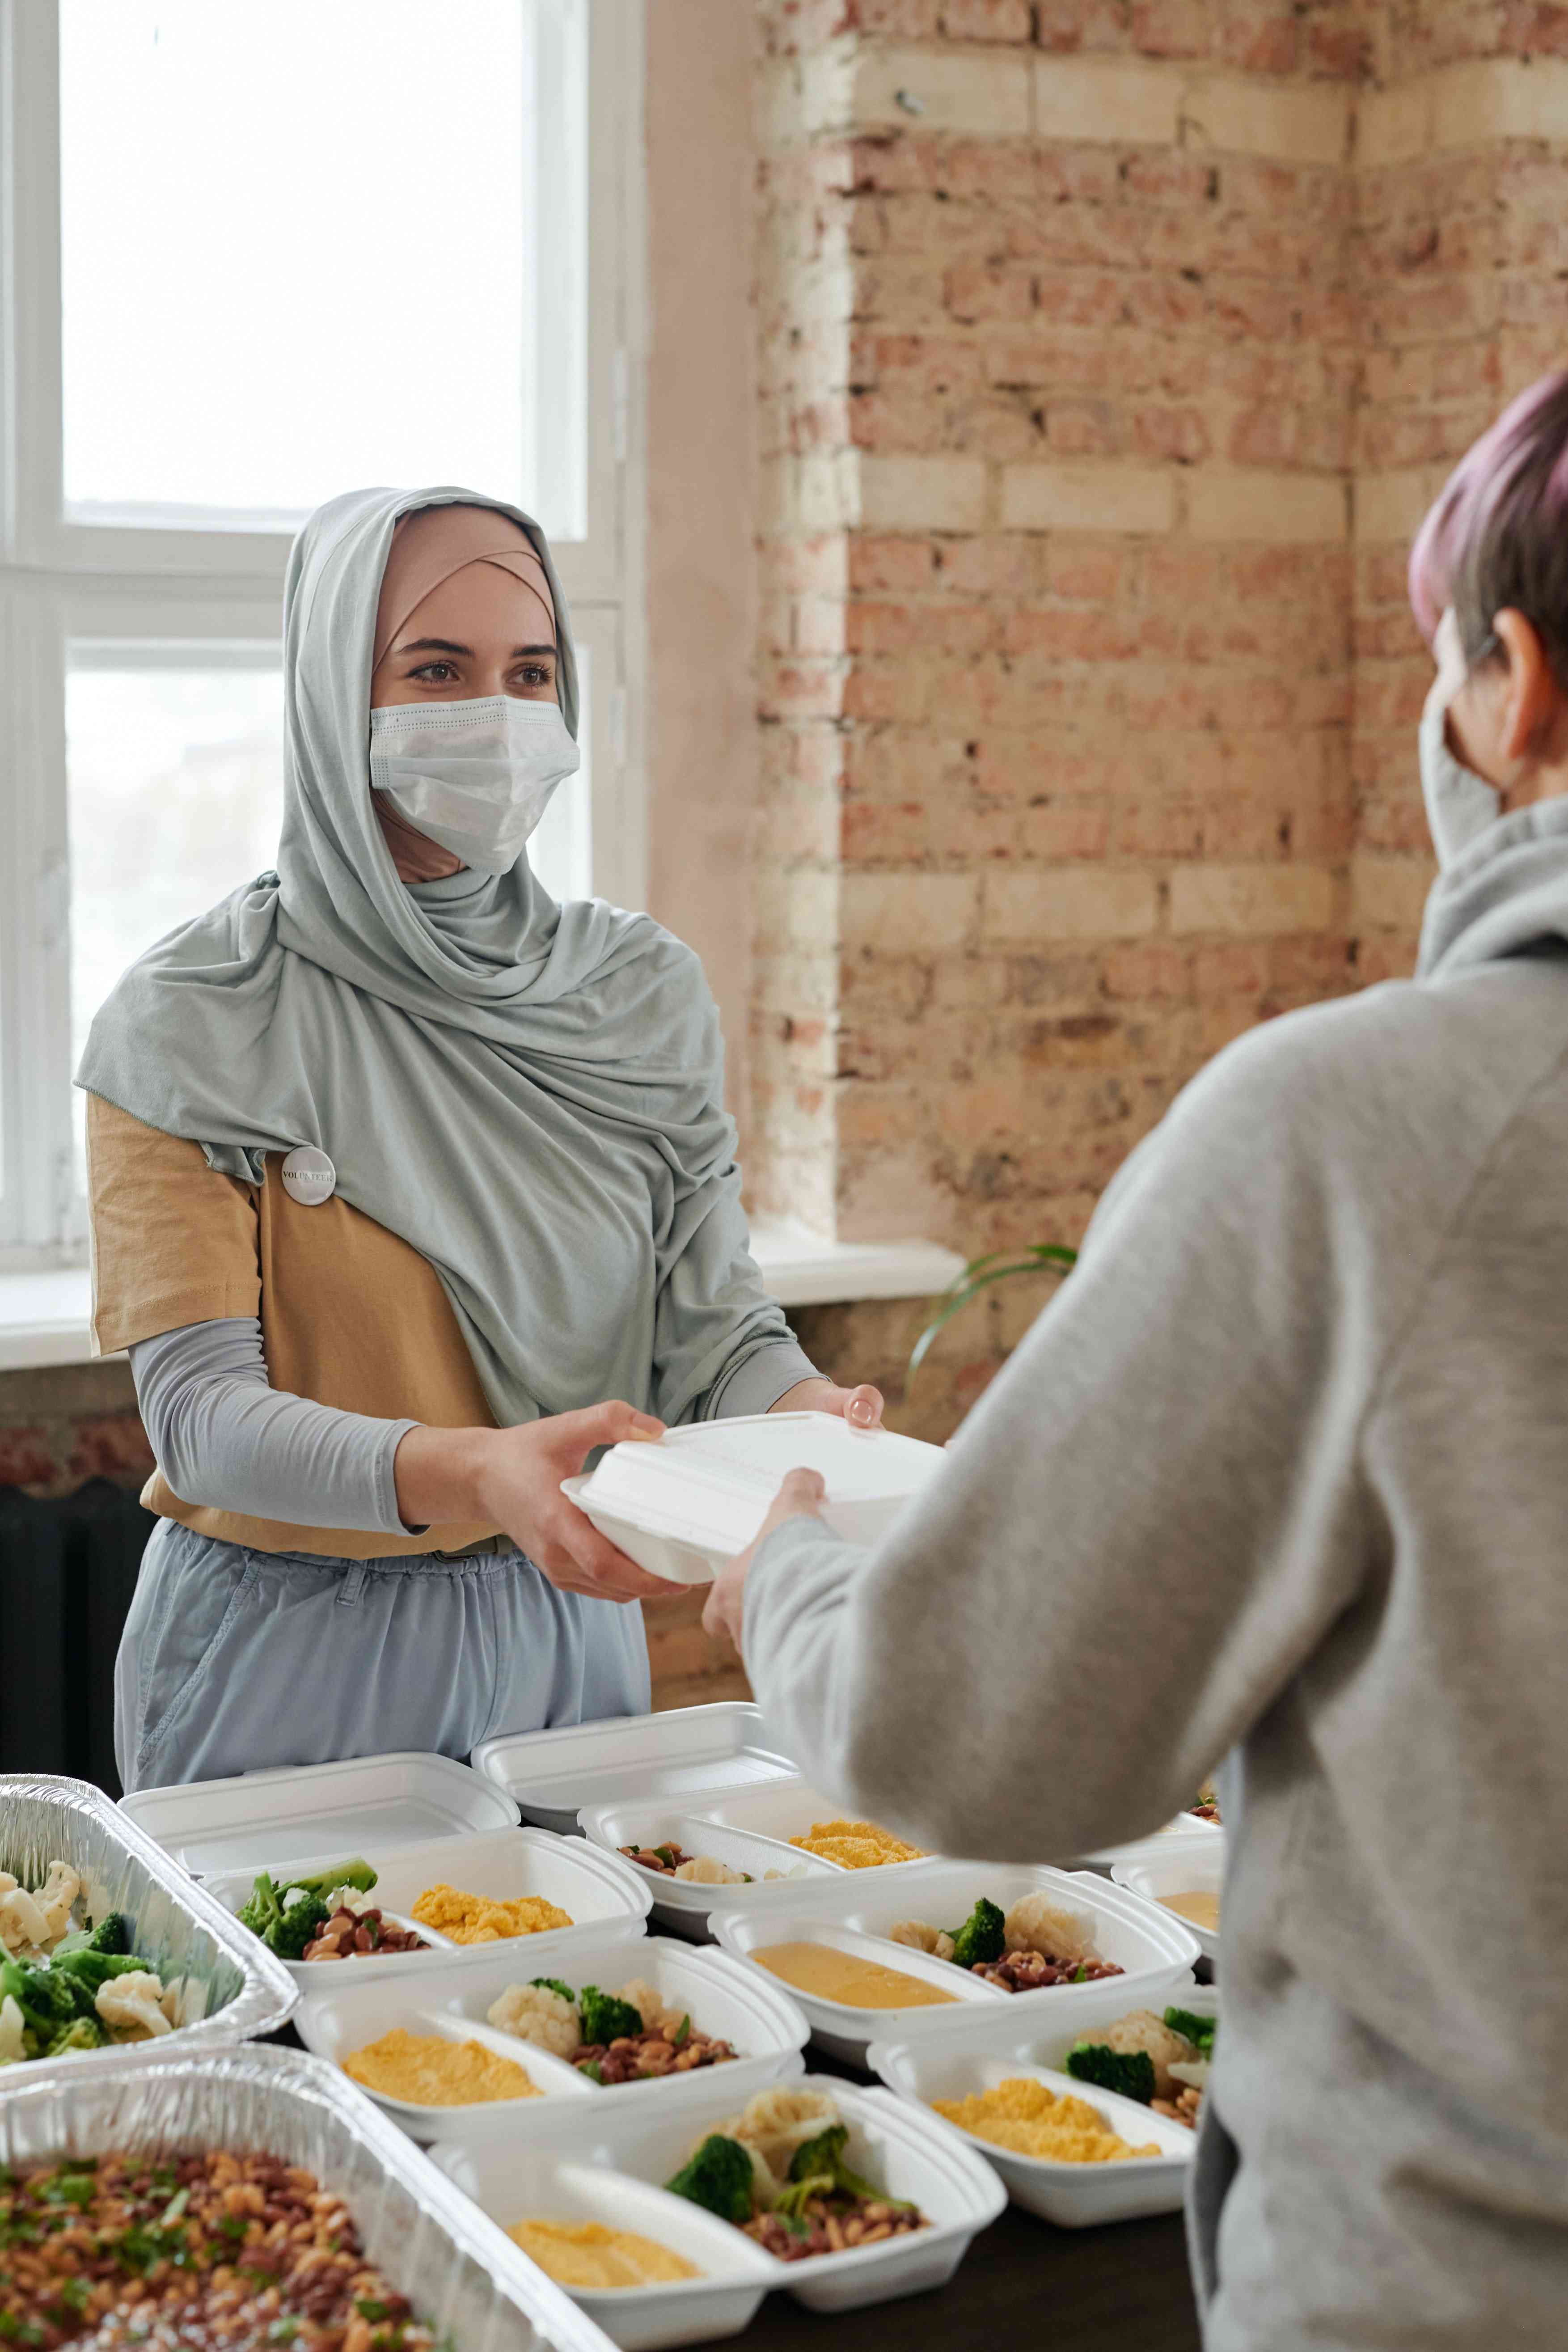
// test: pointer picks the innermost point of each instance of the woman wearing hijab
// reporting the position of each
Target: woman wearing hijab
(410, 1187)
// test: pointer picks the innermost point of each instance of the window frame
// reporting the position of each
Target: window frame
(62, 579)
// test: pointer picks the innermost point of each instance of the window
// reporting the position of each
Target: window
(252, 255)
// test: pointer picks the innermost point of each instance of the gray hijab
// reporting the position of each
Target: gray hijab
(530, 1094)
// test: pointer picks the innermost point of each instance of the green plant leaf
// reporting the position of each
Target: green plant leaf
(977, 1278)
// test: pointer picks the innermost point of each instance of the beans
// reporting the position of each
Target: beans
(1027, 1971)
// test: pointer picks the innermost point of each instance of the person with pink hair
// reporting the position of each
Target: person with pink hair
(1279, 1485)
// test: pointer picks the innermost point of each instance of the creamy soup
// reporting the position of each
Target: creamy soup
(1199, 1904)
(587, 2254)
(839, 1976)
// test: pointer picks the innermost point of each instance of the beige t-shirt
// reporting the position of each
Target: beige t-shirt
(351, 1315)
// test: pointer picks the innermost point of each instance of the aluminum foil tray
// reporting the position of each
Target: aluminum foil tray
(235, 1987)
(460, 2272)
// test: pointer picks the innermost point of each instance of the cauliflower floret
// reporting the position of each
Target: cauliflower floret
(12, 2026)
(56, 1898)
(1142, 2030)
(776, 2121)
(350, 1898)
(23, 1927)
(536, 2014)
(703, 1870)
(798, 1872)
(921, 1938)
(172, 2001)
(1037, 1924)
(655, 2013)
(132, 2001)
(1192, 2071)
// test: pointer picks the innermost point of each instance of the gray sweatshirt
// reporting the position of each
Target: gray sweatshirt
(1283, 1471)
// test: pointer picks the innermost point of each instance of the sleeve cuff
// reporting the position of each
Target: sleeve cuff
(756, 1383)
(389, 1519)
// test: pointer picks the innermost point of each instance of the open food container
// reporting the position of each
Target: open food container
(554, 1775)
(1185, 1870)
(1188, 1827)
(602, 1895)
(723, 1998)
(627, 2156)
(770, 1815)
(1153, 1950)
(978, 2055)
(694, 1498)
(776, 1871)
(464, 2278)
(231, 1986)
(255, 1820)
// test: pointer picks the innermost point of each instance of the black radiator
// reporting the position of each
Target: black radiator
(67, 1570)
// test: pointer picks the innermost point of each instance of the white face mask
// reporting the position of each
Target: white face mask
(1460, 803)
(475, 776)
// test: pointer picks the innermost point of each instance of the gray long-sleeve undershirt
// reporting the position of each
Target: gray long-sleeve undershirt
(225, 1437)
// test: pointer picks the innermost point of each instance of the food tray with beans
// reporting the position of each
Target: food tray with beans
(841, 2196)
(694, 1866)
(613, 2023)
(1086, 2121)
(256, 2194)
(921, 1944)
(257, 1819)
(554, 1775)
(446, 1903)
(105, 1943)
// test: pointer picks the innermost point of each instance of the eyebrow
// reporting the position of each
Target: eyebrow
(445, 646)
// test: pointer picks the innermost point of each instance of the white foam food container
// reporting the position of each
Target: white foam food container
(683, 1505)
(603, 1894)
(1185, 1869)
(845, 2033)
(909, 2154)
(721, 1996)
(684, 1905)
(554, 1775)
(256, 1820)
(1186, 1826)
(465, 2280)
(782, 1809)
(1074, 2196)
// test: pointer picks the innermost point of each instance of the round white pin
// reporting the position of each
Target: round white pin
(308, 1176)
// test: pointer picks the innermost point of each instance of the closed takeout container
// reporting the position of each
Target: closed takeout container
(683, 1505)
(464, 2278)
(908, 2154)
(604, 1895)
(256, 1820)
(233, 1987)
(977, 2053)
(553, 1776)
(1186, 1869)
(721, 1997)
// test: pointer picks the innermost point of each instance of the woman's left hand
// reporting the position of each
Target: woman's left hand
(861, 1407)
(800, 1496)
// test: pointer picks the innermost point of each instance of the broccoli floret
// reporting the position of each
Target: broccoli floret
(298, 1924)
(89, 1970)
(356, 1873)
(981, 1937)
(1199, 2031)
(81, 2034)
(1131, 2072)
(718, 2176)
(44, 1999)
(112, 1932)
(603, 2017)
(553, 1984)
(263, 1910)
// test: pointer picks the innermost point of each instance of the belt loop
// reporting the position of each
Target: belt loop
(352, 1585)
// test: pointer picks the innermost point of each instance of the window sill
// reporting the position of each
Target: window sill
(44, 1317)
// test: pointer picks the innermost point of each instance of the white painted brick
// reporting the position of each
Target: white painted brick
(1500, 98)
(1088, 498)
(1394, 126)
(1291, 123)
(921, 493)
(953, 91)
(1257, 504)
(906, 914)
(1391, 506)
(1068, 902)
(1120, 101)
(1251, 901)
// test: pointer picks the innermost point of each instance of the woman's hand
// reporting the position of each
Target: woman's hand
(799, 1497)
(510, 1478)
(861, 1407)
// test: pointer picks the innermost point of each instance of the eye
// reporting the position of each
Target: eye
(533, 674)
(430, 673)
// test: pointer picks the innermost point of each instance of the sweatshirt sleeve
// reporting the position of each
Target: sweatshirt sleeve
(1143, 1530)
(225, 1437)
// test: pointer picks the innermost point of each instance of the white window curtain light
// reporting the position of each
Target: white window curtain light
(252, 256)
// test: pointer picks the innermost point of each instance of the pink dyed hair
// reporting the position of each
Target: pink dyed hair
(1496, 535)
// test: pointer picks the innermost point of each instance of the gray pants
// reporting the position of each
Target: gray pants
(233, 1660)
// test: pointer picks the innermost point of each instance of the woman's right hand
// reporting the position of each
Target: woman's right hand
(512, 1478)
